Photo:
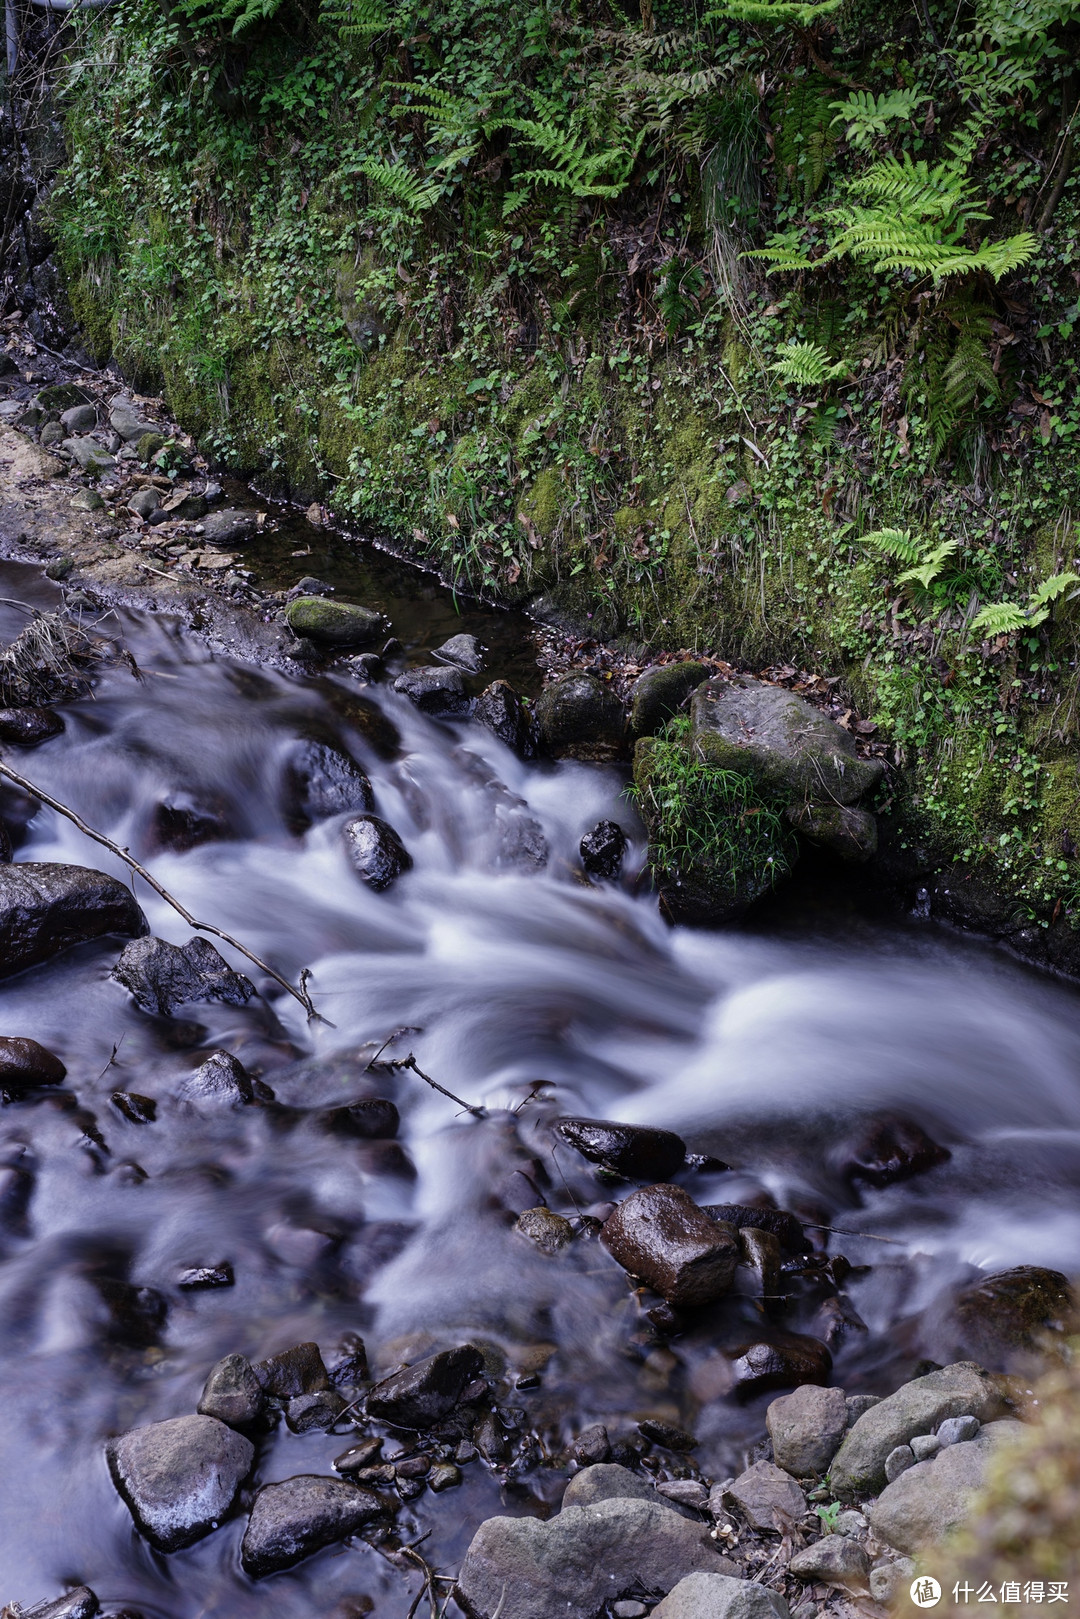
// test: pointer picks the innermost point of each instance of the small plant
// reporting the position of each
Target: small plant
(868, 116)
(829, 1515)
(806, 365)
(1005, 618)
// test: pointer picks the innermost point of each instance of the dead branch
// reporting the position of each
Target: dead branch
(411, 1063)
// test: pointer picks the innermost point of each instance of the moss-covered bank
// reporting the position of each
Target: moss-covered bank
(473, 275)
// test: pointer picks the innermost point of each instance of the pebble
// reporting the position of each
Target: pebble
(375, 851)
(834, 1560)
(629, 1610)
(898, 1461)
(424, 1393)
(291, 1520)
(602, 850)
(925, 1445)
(666, 1434)
(299, 1370)
(464, 651)
(548, 1231)
(308, 1413)
(80, 1603)
(135, 1108)
(197, 1277)
(954, 1430)
(359, 1456)
(688, 1492)
(444, 1476)
(232, 1393)
(768, 1498)
(634, 1151)
(889, 1580)
(852, 1524)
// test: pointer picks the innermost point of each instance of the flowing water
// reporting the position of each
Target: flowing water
(522, 990)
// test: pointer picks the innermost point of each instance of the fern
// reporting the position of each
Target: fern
(896, 543)
(806, 365)
(868, 116)
(361, 19)
(573, 167)
(1005, 618)
(416, 196)
(804, 140)
(927, 571)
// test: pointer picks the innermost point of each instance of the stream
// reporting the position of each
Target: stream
(525, 991)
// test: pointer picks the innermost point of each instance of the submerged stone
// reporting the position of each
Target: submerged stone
(423, 1394)
(637, 1151)
(29, 726)
(375, 851)
(319, 781)
(500, 710)
(581, 718)
(25, 1064)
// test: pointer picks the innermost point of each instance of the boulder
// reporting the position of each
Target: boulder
(849, 833)
(29, 726)
(375, 851)
(932, 1498)
(719, 1596)
(463, 651)
(298, 1370)
(186, 506)
(232, 1393)
(788, 748)
(963, 1389)
(550, 1232)
(372, 1118)
(81, 1603)
(332, 623)
(833, 1560)
(221, 1081)
(1009, 1318)
(806, 1428)
(230, 527)
(45, 908)
(581, 718)
(437, 690)
(79, 418)
(291, 1520)
(320, 780)
(91, 456)
(890, 1148)
(163, 976)
(125, 420)
(768, 1498)
(636, 1151)
(602, 850)
(425, 1393)
(660, 692)
(661, 1236)
(581, 1560)
(607, 1481)
(314, 1413)
(24, 1064)
(666, 1434)
(500, 710)
(365, 717)
(179, 1478)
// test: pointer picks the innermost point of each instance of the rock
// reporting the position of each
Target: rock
(580, 718)
(760, 1261)
(607, 1481)
(592, 1447)
(667, 1435)
(312, 1413)
(858, 1403)
(80, 501)
(291, 1520)
(51, 435)
(444, 1476)
(768, 1498)
(331, 623)
(148, 445)
(850, 834)
(889, 1149)
(186, 507)
(888, 1581)
(299, 1370)
(782, 1225)
(719, 1596)
(91, 456)
(580, 1560)
(685, 1492)
(925, 1445)
(437, 690)
(144, 501)
(319, 781)
(660, 1235)
(358, 1456)
(29, 726)
(221, 1081)
(423, 1394)
(806, 1428)
(46, 907)
(232, 1393)
(162, 976)
(373, 1118)
(179, 1478)
(135, 1108)
(61, 396)
(929, 1500)
(195, 1278)
(375, 851)
(348, 1365)
(464, 651)
(783, 1362)
(659, 693)
(125, 420)
(953, 1431)
(81, 1603)
(960, 1390)
(366, 717)
(24, 1064)
(602, 851)
(635, 1151)
(548, 1231)
(184, 820)
(629, 1609)
(834, 1560)
(230, 527)
(788, 748)
(852, 1524)
(500, 710)
(1008, 1318)
(898, 1461)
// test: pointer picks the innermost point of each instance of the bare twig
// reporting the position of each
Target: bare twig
(300, 995)
(411, 1063)
(869, 1235)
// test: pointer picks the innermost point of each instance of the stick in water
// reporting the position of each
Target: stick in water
(300, 994)
(411, 1063)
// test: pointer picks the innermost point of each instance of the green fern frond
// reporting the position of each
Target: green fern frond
(777, 13)
(1000, 618)
(806, 365)
(399, 182)
(361, 19)
(784, 250)
(931, 567)
(1051, 589)
(896, 543)
(868, 116)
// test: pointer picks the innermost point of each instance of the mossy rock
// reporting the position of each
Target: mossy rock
(148, 446)
(332, 623)
(849, 833)
(62, 396)
(581, 718)
(659, 693)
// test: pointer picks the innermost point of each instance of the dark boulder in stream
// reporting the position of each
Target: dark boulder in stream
(320, 780)
(29, 726)
(179, 1478)
(221, 1081)
(1009, 1318)
(438, 690)
(163, 976)
(602, 850)
(423, 1394)
(888, 1149)
(633, 1150)
(334, 624)
(80, 1603)
(228, 527)
(463, 651)
(233, 1393)
(46, 908)
(24, 1064)
(375, 851)
(778, 1222)
(661, 1236)
(660, 692)
(291, 1520)
(501, 711)
(581, 718)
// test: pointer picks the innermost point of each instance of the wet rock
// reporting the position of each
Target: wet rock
(608, 1481)
(29, 726)
(898, 1461)
(438, 691)
(45, 908)
(932, 1498)
(667, 1435)
(463, 651)
(788, 748)
(196, 1278)
(857, 1404)
(784, 1362)
(221, 1081)
(179, 1478)
(144, 501)
(291, 1520)
(660, 1235)
(602, 852)
(591, 1446)
(91, 456)
(330, 623)
(490, 1440)
(373, 1118)
(375, 851)
(635, 1151)
(684, 1492)
(24, 1064)
(311, 1413)
(850, 834)
(768, 1498)
(580, 718)
(659, 693)
(319, 781)
(719, 1596)
(759, 1267)
(186, 506)
(888, 1581)
(348, 1365)
(183, 821)
(424, 1394)
(548, 1231)
(126, 420)
(232, 1393)
(833, 1560)
(954, 1431)
(852, 1524)
(963, 1389)
(889, 1149)
(500, 710)
(1011, 1316)
(229, 527)
(357, 1457)
(365, 717)
(806, 1428)
(81, 1603)
(300, 1245)
(162, 976)
(147, 446)
(444, 1476)
(299, 1370)
(79, 419)
(580, 1560)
